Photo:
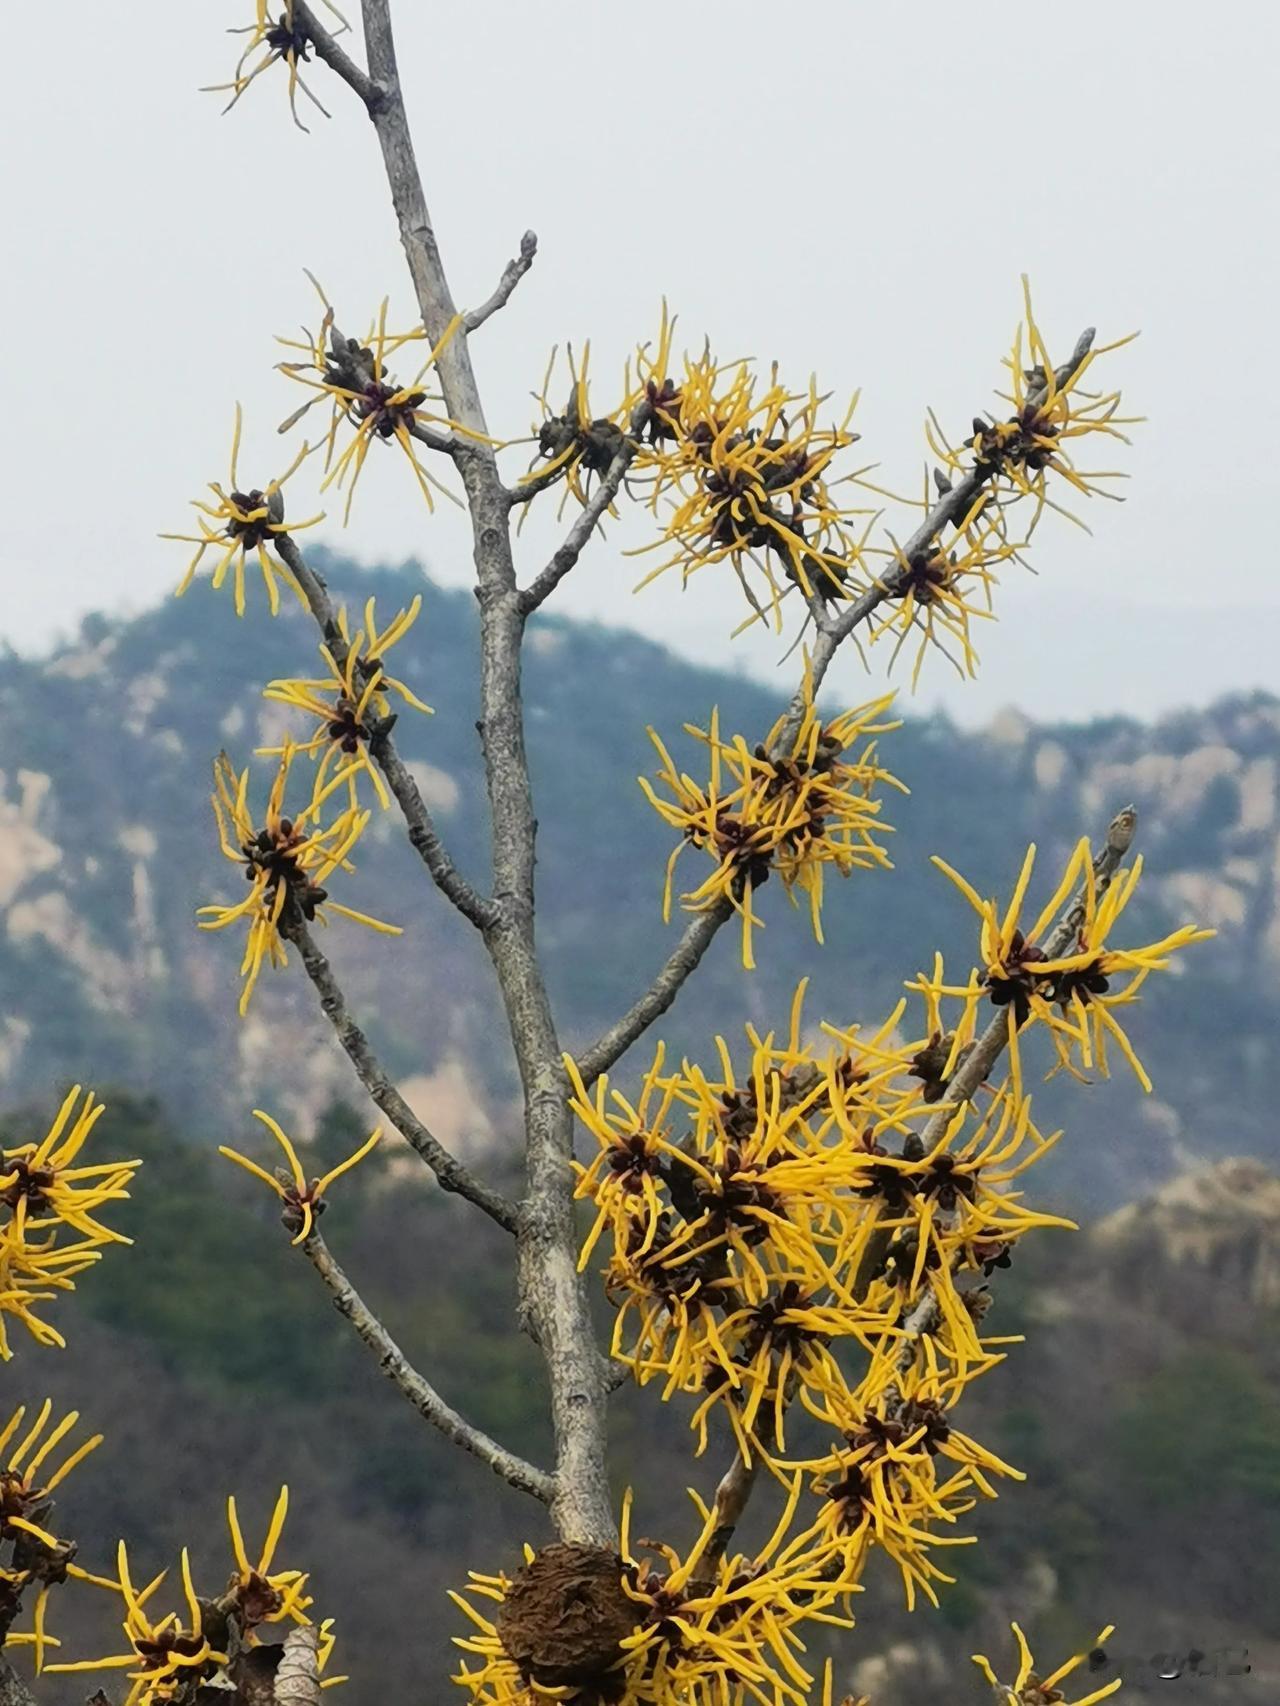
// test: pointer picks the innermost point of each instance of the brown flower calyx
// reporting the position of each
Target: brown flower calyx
(877, 1435)
(261, 528)
(353, 366)
(566, 1614)
(926, 575)
(656, 417)
(295, 1202)
(946, 1184)
(1080, 984)
(594, 444)
(769, 1324)
(929, 1065)
(28, 1181)
(999, 444)
(1016, 985)
(277, 856)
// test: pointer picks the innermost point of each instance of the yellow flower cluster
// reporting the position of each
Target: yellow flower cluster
(278, 40)
(165, 1655)
(798, 803)
(349, 705)
(741, 471)
(811, 1229)
(740, 468)
(1074, 994)
(575, 444)
(302, 1201)
(698, 1629)
(33, 1556)
(1005, 470)
(366, 404)
(1029, 1688)
(761, 1227)
(241, 522)
(49, 1203)
(287, 861)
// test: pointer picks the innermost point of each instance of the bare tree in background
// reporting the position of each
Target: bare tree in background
(797, 1237)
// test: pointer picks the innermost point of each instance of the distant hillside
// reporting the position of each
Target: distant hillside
(106, 848)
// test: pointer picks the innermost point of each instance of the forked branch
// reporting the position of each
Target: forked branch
(579, 535)
(512, 273)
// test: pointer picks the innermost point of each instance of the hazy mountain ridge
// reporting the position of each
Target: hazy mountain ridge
(107, 846)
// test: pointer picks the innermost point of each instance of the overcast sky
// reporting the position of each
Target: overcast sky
(842, 186)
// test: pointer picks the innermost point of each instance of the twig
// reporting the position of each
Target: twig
(580, 533)
(512, 273)
(684, 959)
(444, 442)
(335, 57)
(732, 1496)
(422, 831)
(451, 1172)
(950, 508)
(419, 1391)
(995, 1038)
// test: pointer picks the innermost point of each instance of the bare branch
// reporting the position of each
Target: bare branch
(682, 962)
(512, 273)
(995, 1038)
(422, 831)
(334, 56)
(419, 1391)
(553, 1296)
(451, 1173)
(444, 442)
(581, 531)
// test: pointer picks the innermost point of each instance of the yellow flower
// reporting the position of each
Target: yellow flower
(246, 521)
(280, 39)
(263, 1595)
(797, 810)
(350, 704)
(742, 473)
(38, 1557)
(287, 862)
(302, 1201)
(353, 378)
(575, 445)
(164, 1654)
(1017, 452)
(1030, 1689)
(934, 594)
(1071, 992)
(42, 1187)
(42, 1193)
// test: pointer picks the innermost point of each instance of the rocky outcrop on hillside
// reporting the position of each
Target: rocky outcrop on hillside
(106, 849)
